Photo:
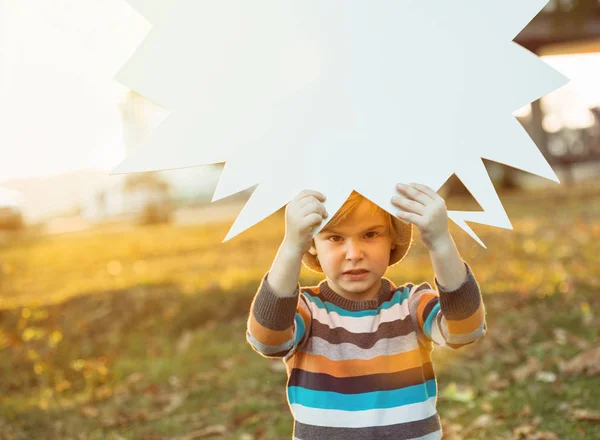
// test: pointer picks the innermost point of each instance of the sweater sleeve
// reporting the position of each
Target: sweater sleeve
(277, 326)
(453, 318)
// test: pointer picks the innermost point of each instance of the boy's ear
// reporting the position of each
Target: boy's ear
(313, 250)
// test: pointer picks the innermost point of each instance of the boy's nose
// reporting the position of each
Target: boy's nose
(353, 251)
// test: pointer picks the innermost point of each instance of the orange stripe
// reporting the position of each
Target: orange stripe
(358, 367)
(468, 325)
(305, 315)
(426, 353)
(267, 336)
(423, 300)
(315, 289)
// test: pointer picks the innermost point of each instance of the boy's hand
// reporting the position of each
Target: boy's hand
(423, 207)
(302, 215)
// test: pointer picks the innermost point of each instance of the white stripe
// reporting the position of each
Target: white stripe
(268, 349)
(301, 342)
(437, 435)
(436, 334)
(348, 351)
(360, 324)
(363, 419)
(469, 337)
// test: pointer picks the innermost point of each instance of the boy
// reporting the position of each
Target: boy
(356, 347)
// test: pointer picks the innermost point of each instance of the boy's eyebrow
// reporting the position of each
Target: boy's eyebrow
(335, 231)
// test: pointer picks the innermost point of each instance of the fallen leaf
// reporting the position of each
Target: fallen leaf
(205, 432)
(487, 407)
(459, 393)
(523, 431)
(452, 431)
(523, 372)
(89, 411)
(482, 421)
(134, 378)
(588, 362)
(277, 366)
(546, 435)
(587, 414)
(545, 376)
(184, 342)
(176, 400)
(526, 411)
(228, 364)
(495, 382)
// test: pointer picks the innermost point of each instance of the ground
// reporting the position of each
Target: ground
(140, 333)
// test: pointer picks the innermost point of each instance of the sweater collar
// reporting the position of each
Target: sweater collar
(327, 293)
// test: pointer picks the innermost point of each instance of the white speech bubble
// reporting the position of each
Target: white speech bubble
(338, 95)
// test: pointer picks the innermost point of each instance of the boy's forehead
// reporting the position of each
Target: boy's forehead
(355, 224)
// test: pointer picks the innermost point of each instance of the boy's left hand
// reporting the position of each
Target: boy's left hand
(423, 207)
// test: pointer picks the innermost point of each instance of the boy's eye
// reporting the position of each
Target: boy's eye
(374, 234)
(334, 238)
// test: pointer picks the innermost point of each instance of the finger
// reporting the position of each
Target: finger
(410, 217)
(319, 207)
(309, 193)
(310, 203)
(323, 210)
(408, 205)
(425, 190)
(312, 220)
(413, 194)
(315, 206)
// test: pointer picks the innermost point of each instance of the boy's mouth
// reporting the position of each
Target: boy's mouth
(356, 271)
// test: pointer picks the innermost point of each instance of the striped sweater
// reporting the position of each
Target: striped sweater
(360, 370)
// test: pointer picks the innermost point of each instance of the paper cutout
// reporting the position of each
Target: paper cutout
(338, 96)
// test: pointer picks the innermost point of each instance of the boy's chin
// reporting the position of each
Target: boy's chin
(357, 285)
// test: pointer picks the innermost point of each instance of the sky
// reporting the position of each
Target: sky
(59, 101)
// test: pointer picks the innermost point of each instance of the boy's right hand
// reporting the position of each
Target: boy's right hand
(304, 213)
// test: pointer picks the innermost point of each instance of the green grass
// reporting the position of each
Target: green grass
(141, 334)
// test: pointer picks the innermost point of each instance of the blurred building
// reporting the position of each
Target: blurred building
(141, 197)
(11, 210)
(564, 27)
(144, 199)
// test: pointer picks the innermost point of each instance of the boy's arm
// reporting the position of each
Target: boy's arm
(279, 318)
(456, 315)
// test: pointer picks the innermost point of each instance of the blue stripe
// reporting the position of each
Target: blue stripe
(399, 297)
(362, 401)
(300, 330)
(429, 321)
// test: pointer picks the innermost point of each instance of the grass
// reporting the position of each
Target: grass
(141, 334)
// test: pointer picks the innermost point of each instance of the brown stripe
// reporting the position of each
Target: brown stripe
(325, 294)
(361, 384)
(266, 336)
(339, 335)
(399, 431)
(455, 346)
(430, 305)
(463, 302)
(470, 304)
(424, 299)
(272, 311)
(423, 286)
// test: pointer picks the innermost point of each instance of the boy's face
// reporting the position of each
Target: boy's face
(360, 242)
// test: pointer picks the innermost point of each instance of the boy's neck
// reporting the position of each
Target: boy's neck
(369, 295)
